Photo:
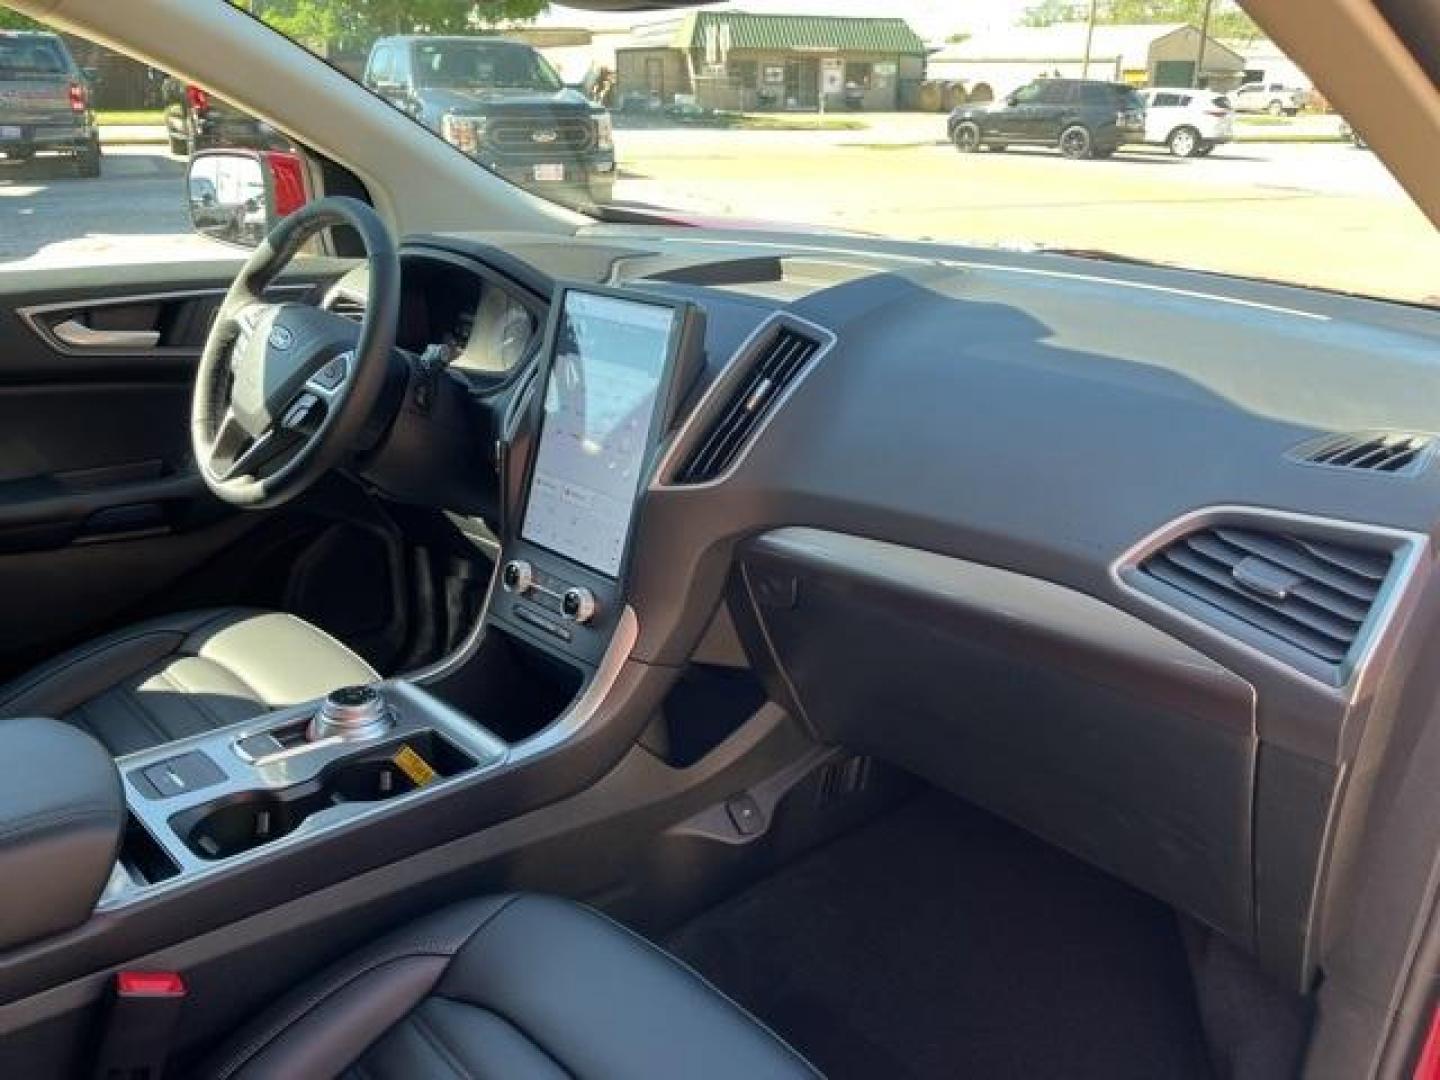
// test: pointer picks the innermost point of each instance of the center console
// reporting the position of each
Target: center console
(555, 635)
(223, 795)
(616, 368)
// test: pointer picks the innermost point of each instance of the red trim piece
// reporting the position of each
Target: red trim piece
(149, 984)
(287, 172)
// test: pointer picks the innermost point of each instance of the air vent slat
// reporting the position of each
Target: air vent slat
(1311, 595)
(1368, 451)
(772, 371)
(1302, 559)
(1314, 644)
(1307, 614)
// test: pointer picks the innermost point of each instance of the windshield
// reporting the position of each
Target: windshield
(482, 65)
(1010, 125)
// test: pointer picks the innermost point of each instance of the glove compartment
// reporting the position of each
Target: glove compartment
(1069, 717)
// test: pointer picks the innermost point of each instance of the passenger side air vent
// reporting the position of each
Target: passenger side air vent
(1310, 595)
(347, 306)
(772, 370)
(1375, 451)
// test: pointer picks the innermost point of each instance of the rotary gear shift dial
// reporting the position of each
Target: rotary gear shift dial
(352, 712)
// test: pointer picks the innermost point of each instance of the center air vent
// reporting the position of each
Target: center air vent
(1397, 453)
(771, 370)
(1304, 594)
(347, 306)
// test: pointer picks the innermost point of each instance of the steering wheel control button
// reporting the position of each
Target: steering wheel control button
(301, 416)
(518, 577)
(332, 375)
(579, 605)
(352, 712)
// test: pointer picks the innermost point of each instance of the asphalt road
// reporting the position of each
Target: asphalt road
(1323, 213)
(134, 212)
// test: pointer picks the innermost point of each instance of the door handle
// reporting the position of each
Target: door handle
(75, 333)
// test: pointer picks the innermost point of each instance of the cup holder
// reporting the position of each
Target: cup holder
(246, 820)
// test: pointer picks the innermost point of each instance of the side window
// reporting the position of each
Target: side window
(1029, 94)
(1166, 100)
(95, 148)
(1056, 92)
(382, 67)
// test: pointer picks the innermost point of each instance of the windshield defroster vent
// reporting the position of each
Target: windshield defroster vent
(772, 370)
(1397, 453)
(1305, 594)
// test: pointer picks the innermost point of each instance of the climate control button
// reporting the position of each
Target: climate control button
(518, 576)
(579, 605)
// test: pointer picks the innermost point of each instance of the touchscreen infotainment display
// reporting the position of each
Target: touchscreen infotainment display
(600, 408)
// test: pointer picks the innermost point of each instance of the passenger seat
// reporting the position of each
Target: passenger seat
(514, 987)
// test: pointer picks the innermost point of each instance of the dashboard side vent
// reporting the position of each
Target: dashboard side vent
(1311, 595)
(1397, 453)
(347, 306)
(773, 369)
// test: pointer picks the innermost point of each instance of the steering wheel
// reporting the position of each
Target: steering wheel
(283, 391)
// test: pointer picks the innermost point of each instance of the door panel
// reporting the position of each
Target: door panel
(99, 506)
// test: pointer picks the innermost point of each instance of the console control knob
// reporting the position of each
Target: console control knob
(518, 576)
(579, 605)
(352, 712)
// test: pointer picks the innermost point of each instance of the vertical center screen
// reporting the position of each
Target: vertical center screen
(600, 398)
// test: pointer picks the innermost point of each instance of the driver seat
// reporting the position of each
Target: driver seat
(181, 675)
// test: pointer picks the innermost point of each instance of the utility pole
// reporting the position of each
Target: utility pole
(1090, 36)
(1204, 37)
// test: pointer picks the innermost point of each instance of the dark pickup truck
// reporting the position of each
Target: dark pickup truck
(500, 102)
(45, 101)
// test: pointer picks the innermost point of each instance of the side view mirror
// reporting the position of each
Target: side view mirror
(238, 196)
(1012, 99)
(92, 74)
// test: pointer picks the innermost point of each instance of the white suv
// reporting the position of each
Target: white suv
(1273, 98)
(1189, 122)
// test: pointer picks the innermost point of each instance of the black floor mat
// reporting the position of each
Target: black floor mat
(942, 942)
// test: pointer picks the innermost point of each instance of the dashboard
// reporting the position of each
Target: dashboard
(1119, 553)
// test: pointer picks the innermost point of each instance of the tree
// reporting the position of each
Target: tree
(13, 20)
(358, 22)
(1226, 18)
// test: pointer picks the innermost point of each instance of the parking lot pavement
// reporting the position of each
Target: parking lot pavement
(1323, 213)
(135, 212)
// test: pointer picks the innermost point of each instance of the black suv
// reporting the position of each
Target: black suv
(502, 103)
(45, 101)
(1083, 117)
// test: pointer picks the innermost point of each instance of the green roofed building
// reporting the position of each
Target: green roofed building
(735, 60)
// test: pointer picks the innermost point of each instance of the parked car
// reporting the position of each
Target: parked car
(197, 120)
(45, 101)
(1274, 98)
(500, 102)
(1084, 118)
(1190, 122)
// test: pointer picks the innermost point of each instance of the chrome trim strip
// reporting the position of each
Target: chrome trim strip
(734, 371)
(31, 317)
(447, 665)
(1391, 599)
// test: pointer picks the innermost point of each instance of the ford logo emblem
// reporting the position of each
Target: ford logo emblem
(545, 135)
(281, 338)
